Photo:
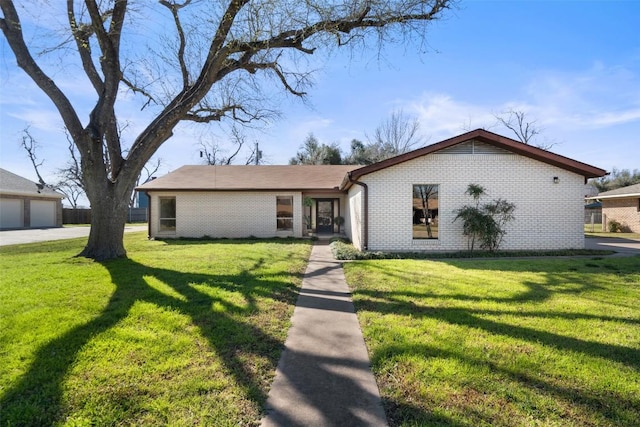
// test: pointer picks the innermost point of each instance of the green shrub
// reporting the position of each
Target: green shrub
(484, 224)
(615, 226)
(344, 251)
(347, 252)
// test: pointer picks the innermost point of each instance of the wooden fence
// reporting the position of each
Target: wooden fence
(83, 216)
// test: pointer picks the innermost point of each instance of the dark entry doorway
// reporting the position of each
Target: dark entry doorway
(324, 216)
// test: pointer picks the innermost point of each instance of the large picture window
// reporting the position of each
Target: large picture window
(425, 211)
(167, 214)
(284, 213)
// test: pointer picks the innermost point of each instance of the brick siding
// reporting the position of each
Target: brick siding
(624, 210)
(548, 215)
(226, 214)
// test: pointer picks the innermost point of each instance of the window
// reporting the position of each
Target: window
(284, 213)
(425, 211)
(167, 214)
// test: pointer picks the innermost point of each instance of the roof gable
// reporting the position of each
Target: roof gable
(487, 142)
(10, 183)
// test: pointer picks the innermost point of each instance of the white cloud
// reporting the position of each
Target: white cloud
(595, 98)
(46, 120)
(441, 115)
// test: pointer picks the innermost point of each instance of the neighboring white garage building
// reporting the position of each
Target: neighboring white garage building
(23, 204)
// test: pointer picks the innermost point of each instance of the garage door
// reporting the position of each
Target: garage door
(43, 213)
(10, 213)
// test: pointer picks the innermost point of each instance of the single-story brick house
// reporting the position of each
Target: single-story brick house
(386, 205)
(25, 204)
(621, 205)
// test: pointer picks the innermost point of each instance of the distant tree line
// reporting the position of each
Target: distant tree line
(618, 178)
(396, 135)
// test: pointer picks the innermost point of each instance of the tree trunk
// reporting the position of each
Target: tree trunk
(108, 217)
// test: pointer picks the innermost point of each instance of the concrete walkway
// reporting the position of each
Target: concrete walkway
(623, 247)
(324, 376)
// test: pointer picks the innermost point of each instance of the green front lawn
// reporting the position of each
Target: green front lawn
(181, 333)
(547, 342)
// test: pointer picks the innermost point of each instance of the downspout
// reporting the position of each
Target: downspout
(148, 215)
(365, 214)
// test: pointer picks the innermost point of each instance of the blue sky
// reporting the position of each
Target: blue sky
(573, 66)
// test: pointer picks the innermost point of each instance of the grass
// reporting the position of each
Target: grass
(595, 228)
(596, 231)
(181, 333)
(544, 342)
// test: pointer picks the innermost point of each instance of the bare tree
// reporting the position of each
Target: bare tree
(148, 171)
(31, 146)
(526, 131)
(70, 182)
(69, 178)
(213, 153)
(396, 135)
(220, 60)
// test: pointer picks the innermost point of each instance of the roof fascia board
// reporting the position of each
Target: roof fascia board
(32, 195)
(615, 196)
(491, 138)
(244, 190)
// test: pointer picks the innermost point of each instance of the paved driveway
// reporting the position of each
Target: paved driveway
(14, 237)
(621, 246)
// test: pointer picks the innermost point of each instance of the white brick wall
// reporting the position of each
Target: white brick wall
(547, 215)
(353, 220)
(226, 214)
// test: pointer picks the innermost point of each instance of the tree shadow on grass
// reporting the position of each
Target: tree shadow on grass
(616, 408)
(416, 303)
(402, 301)
(36, 400)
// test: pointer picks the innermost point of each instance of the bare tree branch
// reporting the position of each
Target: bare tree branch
(139, 90)
(213, 153)
(31, 146)
(81, 35)
(174, 8)
(12, 30)
(225, 59)
(526, 131)
(397, 135)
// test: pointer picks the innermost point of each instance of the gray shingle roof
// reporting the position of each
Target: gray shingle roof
(10, 183)
(628, 191)
(242, 178)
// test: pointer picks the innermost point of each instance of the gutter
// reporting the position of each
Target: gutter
(365, 215)
(615, 196)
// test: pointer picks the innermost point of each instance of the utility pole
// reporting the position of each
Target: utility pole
(258, 155)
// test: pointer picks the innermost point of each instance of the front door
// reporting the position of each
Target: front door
(324, 216)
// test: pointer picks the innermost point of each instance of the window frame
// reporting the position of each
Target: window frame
(435, 220)
(162, 219)
(284, 218)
